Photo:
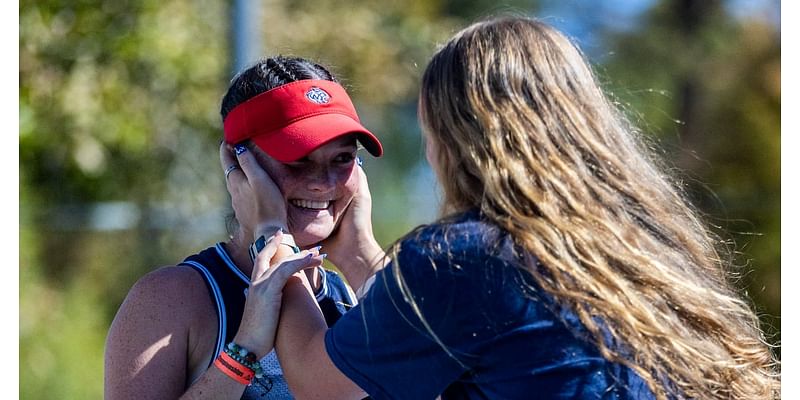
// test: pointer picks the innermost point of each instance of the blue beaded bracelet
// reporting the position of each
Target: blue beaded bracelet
(246, 357)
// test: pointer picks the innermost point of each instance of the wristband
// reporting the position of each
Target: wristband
(233, 368)
(261, 242)
(256, 247)
(294, 248)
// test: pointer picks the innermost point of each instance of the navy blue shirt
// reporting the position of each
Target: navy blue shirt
(486, 331)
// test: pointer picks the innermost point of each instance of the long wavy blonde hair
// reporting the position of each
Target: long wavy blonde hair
(525, 133)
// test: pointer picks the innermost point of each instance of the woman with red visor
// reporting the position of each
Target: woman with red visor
(201, 329)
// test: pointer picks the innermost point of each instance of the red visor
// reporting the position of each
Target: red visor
(292, 120)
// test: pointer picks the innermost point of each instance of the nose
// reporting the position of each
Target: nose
(322, 180)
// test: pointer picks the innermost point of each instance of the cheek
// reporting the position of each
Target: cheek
(280, 175)
(348, 185)
(287, 180)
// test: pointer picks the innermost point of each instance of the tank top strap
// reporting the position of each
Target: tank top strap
(227, 286)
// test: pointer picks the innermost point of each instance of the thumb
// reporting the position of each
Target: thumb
(363, 185)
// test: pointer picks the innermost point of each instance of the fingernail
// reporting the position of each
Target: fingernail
(358, 160)
(239, 148)
(324, 255)
(317, 248)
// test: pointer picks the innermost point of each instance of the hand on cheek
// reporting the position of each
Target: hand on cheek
(256, 199)
(354, 236)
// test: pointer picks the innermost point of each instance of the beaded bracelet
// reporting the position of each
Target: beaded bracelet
(245, 357)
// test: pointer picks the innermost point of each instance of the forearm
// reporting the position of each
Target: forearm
(300, 320)
(258, 335)
(359, 265)
(214, 384)
(300, 347)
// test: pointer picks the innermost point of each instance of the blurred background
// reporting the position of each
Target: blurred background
(119, 126)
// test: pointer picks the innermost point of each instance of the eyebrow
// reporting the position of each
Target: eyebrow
(347, 147)
(351, 140)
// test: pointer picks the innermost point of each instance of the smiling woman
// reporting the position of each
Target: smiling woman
(288, 118)
(317, 188)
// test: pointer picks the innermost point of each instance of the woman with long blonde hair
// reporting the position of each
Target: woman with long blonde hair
(565, 265)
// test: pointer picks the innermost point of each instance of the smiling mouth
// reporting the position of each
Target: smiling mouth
(310, 205)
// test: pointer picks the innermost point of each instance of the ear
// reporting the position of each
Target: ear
(432, 153)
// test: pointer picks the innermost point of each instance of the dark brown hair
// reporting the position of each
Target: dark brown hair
(267, 74)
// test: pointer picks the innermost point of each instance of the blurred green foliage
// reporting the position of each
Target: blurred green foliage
(119, 128)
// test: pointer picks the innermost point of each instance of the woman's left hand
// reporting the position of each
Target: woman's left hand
(257, 201)
(353, 248)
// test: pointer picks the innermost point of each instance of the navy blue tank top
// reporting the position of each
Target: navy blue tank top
(227, 286)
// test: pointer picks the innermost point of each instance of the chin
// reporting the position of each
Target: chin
(311, 234)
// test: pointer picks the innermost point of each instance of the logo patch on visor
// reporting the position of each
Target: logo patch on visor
(317, 95)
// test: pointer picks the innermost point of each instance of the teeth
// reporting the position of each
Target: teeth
(314, 205)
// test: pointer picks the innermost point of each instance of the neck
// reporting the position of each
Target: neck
(237, 249)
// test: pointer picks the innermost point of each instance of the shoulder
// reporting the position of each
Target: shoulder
(464, 239)
(167, 296)
(465, 253)
(154, 323)
(449, 253)
(173, 282)
(455, 229)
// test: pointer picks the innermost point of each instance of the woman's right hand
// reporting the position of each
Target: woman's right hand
(263, 305)
(257, 201)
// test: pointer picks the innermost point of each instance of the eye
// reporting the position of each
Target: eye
(299, 163)
(344, 158)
